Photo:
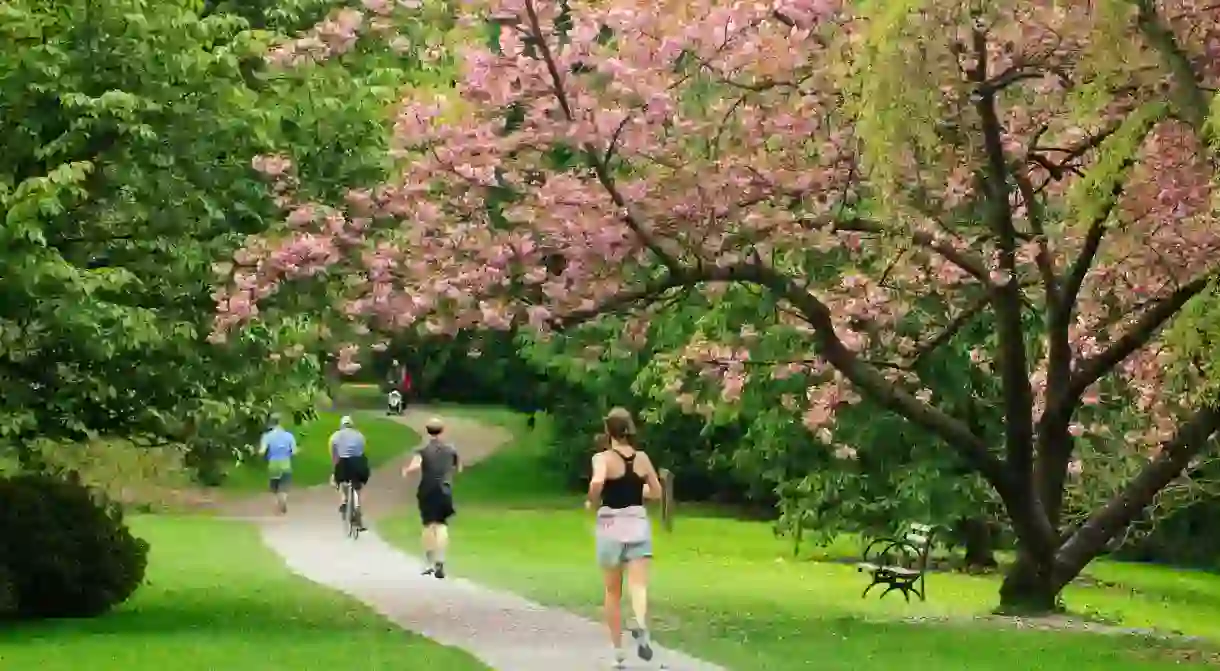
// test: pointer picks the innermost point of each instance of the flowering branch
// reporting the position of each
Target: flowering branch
(1145, 327)
(1191, 437)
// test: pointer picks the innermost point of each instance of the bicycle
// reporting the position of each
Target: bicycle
(351, 510)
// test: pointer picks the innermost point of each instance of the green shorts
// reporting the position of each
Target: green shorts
(279, 473)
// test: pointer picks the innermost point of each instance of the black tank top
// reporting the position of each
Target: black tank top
(625, 491)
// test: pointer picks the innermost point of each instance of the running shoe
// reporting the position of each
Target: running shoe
(643, 645)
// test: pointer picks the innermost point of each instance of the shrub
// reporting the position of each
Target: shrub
(66, 551)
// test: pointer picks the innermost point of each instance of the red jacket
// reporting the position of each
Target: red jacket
(405, 384)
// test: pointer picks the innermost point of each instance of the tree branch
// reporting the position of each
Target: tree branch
(1014, 368)
(1033, 210)
(951, 329)
(953, 431)
(1149, 323)
(1090, 539)
(1189, 100)
(592, 154)
(1072, 152)
(971, 264)
(650, 292)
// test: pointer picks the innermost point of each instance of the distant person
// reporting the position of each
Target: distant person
(623, 476)
(278, 446)
(436, 462)
(399, 378)
(351, 464)
(404, 385)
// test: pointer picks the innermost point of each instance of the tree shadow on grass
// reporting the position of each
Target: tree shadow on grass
(264, 614)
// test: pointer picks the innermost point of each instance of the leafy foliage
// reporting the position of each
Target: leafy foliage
(127, 183)
(67, 551)
(969, 228)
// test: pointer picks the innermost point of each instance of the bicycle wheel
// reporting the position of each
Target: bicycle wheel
(353, 512)
(347, 509)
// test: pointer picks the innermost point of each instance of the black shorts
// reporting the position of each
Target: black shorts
(435, 504)
(354, 470)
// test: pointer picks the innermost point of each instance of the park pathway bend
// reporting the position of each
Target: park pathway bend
(505, 631)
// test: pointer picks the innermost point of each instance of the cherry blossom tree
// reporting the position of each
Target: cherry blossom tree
(889, 172)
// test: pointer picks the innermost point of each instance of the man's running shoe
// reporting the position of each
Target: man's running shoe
(440, 571)
(643, 645)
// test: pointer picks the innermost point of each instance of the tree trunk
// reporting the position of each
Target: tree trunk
(1030, 588)
(975, 533)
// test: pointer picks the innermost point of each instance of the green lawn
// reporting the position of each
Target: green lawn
(360, 396)
(726, 590)
(386, 439)
(217, 598)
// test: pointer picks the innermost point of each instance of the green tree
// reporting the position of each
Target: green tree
(130, 128)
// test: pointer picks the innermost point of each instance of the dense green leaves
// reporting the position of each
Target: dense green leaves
(129, 129)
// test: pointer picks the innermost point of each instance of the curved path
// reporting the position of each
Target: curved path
(506, 632)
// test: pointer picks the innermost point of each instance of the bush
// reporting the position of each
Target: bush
(65, 552)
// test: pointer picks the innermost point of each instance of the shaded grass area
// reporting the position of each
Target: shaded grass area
(217, 598)
(385, 439)
(139, 477)
(727, 589)
(360, 396)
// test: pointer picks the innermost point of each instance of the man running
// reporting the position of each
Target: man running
(347, 454)
(436, 462)
(278, 446)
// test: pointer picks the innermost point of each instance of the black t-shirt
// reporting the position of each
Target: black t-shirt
(438, 462)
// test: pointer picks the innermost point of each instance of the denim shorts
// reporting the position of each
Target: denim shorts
(621, 545)
(613, 554)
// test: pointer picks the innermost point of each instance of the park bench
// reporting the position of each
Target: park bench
(899, 563)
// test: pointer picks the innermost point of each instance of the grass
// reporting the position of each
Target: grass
(726, 590)
(360, 395)
(137, 476)
(217, 598)
(385, 439)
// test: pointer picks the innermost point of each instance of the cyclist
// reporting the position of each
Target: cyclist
(278, 446)
(347, 454)
(436, 462)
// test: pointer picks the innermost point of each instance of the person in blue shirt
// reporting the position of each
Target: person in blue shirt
(278, 446)
(351, 465)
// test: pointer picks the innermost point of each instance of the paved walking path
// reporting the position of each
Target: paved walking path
(506, 632)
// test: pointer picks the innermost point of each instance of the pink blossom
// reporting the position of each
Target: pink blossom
(347, 363)
(749, 186)
(734, 384)
(845, 453)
